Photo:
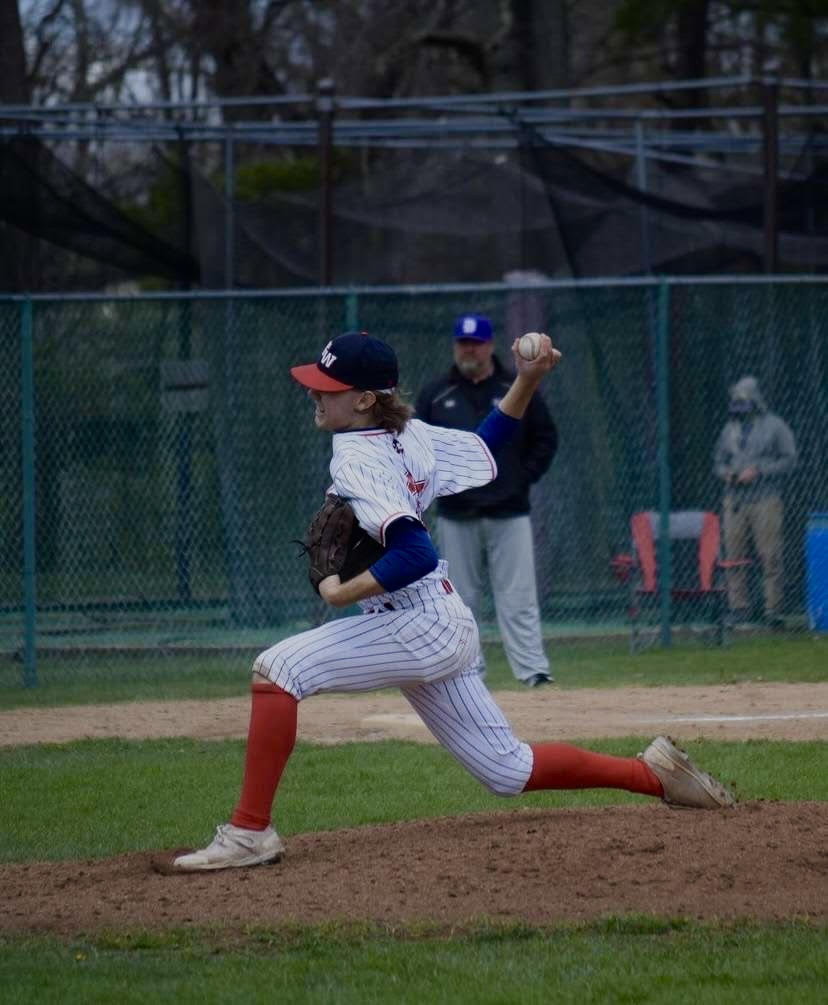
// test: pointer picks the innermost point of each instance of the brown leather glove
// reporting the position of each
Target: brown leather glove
(335, 543)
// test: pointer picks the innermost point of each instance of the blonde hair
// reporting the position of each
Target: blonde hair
(390, 412)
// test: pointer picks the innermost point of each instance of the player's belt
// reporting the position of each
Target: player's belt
(444, 585)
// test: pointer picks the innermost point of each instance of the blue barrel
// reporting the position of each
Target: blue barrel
(816, 570)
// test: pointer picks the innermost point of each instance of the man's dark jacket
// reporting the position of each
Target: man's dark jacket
(459, 403)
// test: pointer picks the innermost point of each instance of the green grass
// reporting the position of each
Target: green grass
(167, 793)
(616, 961)
(574, 664)
(596, 664)
(154, 794)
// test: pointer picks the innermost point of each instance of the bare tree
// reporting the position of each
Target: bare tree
(691, 39)
(138, 49)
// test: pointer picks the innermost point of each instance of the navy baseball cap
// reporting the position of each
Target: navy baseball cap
(354, 360)
(473, 326)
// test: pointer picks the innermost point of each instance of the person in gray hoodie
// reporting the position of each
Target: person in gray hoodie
(754, 453)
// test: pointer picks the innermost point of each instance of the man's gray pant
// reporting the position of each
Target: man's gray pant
(510, 554)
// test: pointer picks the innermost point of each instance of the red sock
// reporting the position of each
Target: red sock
(561, 766)
(270, 738)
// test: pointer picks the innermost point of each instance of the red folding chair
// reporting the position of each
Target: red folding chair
(696, 591)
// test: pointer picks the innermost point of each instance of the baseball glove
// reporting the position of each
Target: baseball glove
(335, 544)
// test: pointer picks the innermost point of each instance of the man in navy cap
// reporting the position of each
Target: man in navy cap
(491, 525)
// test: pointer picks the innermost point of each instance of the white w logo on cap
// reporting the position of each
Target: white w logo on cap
(327, 359)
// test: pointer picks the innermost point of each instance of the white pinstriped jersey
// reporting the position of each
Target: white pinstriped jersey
(386, 476)
(421, 638)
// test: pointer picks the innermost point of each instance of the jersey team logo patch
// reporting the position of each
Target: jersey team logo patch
(414, 487)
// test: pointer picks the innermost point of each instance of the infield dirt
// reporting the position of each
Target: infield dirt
(761, 860)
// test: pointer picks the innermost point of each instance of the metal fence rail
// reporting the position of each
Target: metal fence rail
(158, 461)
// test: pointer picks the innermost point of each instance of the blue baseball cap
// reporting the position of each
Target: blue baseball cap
(473, 326)
(351, 361)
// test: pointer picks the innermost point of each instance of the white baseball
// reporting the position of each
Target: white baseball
(529, 345)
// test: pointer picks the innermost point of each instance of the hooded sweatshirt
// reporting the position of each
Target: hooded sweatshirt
(753, 437)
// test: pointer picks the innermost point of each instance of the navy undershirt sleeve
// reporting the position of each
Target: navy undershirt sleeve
(497, 428)
(409, 557)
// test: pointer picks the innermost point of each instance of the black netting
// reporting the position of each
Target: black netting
(463, 212)
(42, 196)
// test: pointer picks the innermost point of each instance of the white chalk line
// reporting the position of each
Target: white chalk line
(410, 719)
(739, 718)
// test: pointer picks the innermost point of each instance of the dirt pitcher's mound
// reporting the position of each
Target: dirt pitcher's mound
(758, 861)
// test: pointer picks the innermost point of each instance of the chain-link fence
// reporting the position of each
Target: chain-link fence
(159, 462)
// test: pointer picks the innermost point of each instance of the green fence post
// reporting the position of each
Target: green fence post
(665, 575)
(351, 312)
(28, 462)
(184, 460)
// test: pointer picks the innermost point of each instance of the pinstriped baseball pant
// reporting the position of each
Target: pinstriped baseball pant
(431, 655)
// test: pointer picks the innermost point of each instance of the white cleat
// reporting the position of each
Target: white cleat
(683, 783)
(233, 848)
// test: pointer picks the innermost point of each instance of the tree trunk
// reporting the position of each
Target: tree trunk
(691, 62)
(541, 33)
(18, 251)
(14, 86)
